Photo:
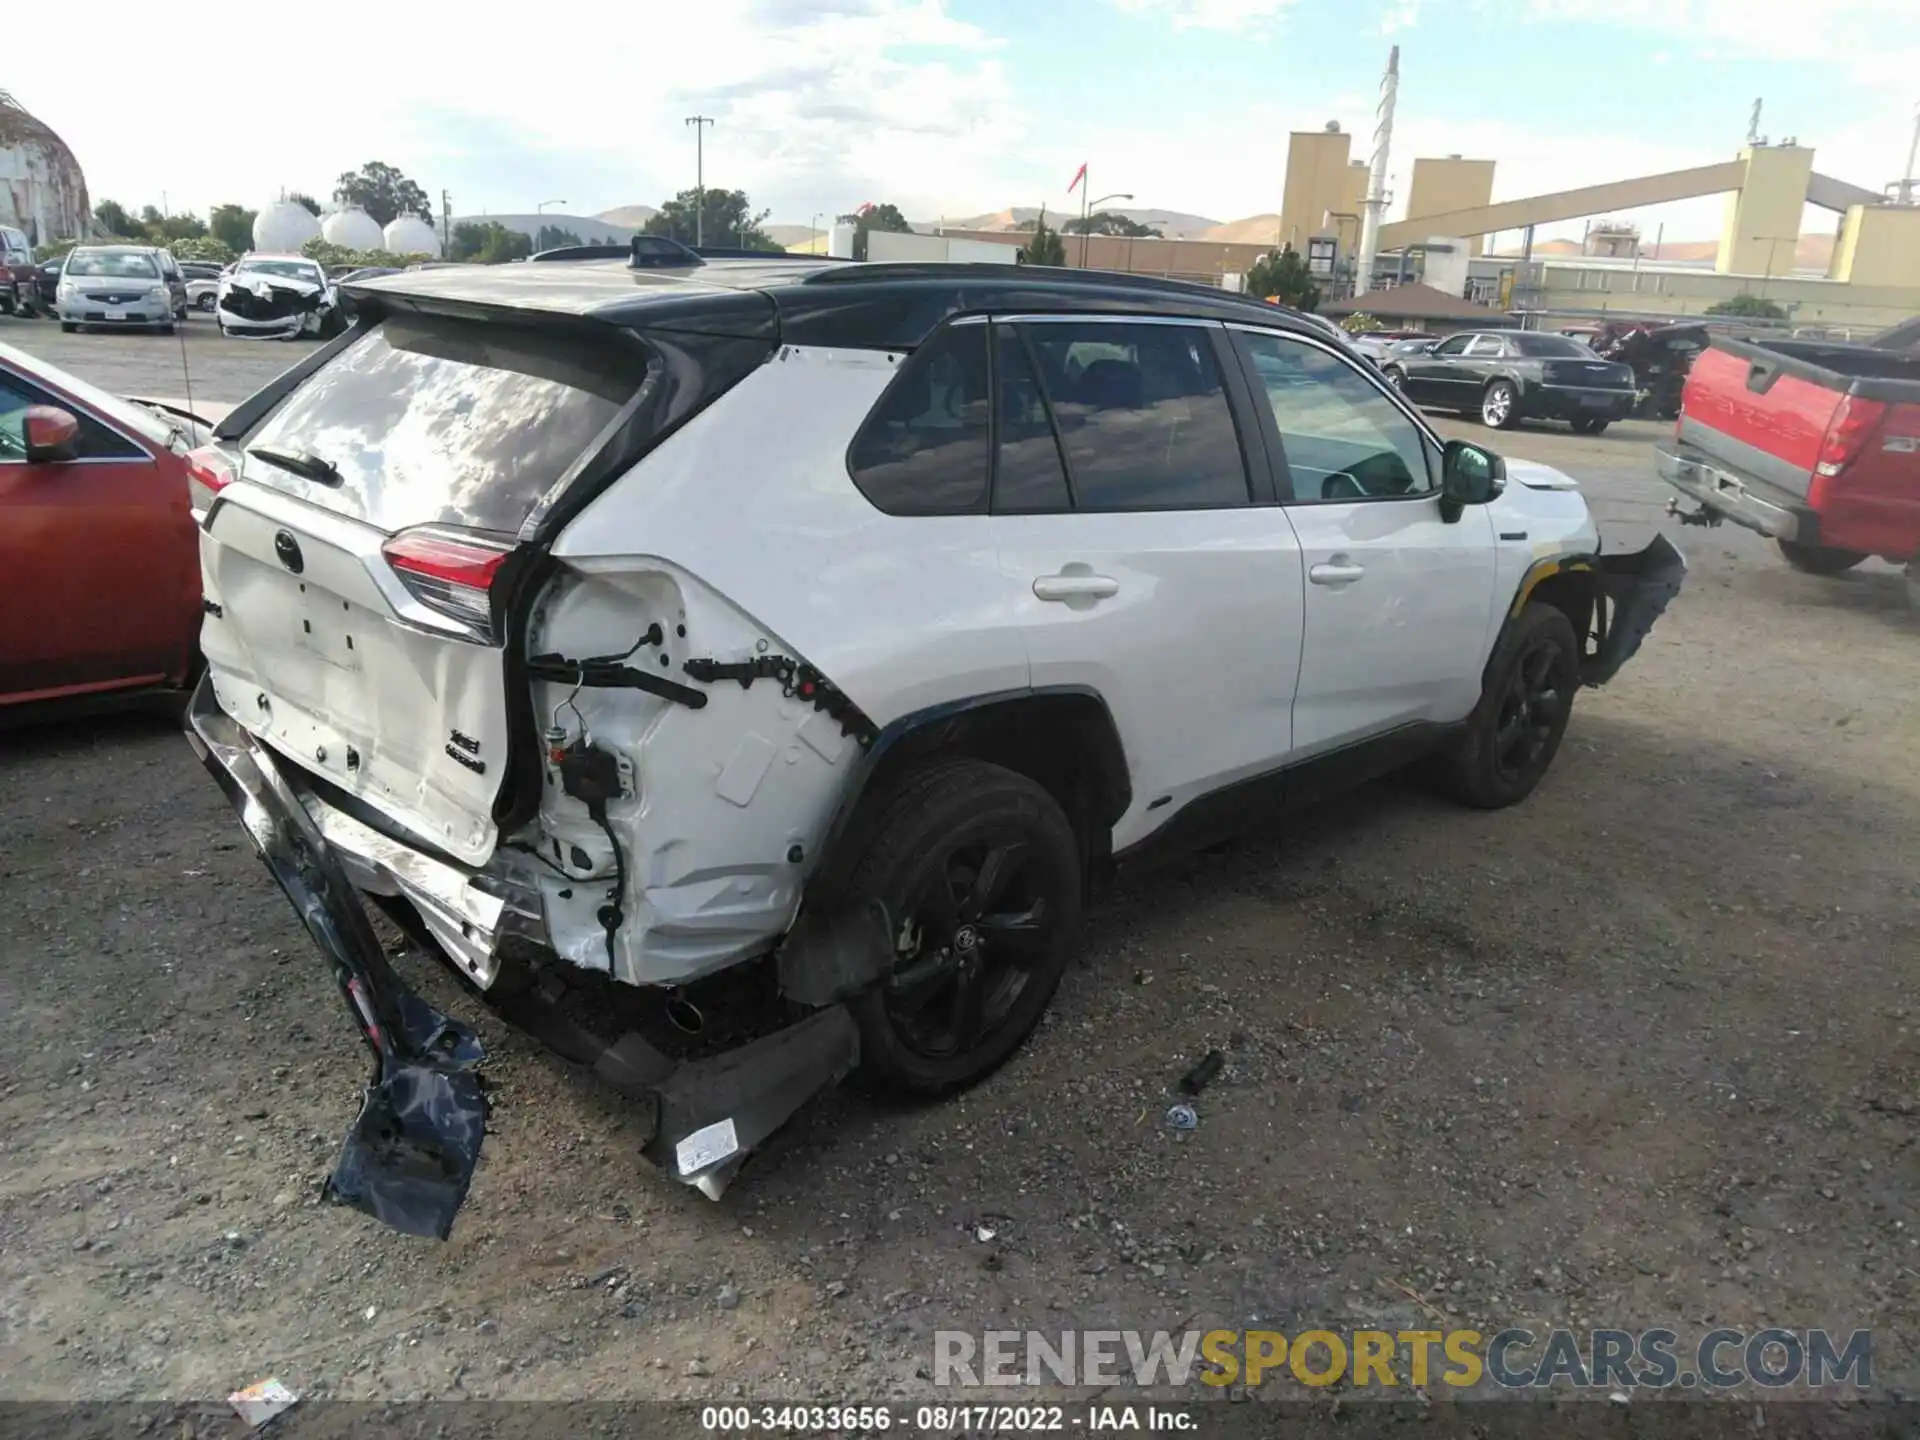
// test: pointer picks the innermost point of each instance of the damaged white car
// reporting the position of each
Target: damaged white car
(739, 670)
(276, 297)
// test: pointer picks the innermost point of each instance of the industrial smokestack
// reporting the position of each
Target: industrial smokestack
(1374, 207)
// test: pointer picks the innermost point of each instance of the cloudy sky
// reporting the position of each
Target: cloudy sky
(955, 107)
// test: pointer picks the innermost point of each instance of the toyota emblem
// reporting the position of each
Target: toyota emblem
(288, 550)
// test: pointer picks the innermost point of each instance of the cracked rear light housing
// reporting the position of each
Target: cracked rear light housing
(450, 572)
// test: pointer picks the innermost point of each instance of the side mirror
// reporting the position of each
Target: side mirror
(52, 435)
(1469, 475)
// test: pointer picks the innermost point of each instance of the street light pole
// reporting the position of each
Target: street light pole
(813, 242)
(700, 124)
(1086, 215)
(541, 208)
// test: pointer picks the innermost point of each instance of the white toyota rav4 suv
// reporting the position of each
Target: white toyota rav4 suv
(739, 669)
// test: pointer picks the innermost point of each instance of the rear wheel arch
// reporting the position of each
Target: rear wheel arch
(1064, 739)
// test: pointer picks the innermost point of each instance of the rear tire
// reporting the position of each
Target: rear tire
(1515, 730)
(979, 871)
(1818, 559)
(67, 327)
(1500, 405)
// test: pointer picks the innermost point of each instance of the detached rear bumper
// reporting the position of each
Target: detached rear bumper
(410, 1157)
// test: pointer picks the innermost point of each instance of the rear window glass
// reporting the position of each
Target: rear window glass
(447, 422)
(923, 450)
(1558, 347)
(108, 265)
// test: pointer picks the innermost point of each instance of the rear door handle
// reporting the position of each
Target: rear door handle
(1337, 571)
(1075, 587)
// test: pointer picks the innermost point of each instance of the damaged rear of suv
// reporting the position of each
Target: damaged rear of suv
(638, 638)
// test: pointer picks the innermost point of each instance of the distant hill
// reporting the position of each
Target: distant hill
(1254, 230)
(1174, 224)
(630, 217)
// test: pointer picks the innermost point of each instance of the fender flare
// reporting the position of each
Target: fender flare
(1637, 588)
(935, 725)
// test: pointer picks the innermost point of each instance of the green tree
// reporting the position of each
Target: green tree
(113, 217)
(306, 202)
(488, 242)
(1748, 307)
(552, 237)
(1045, 247)
(1108, 222)
(1282, 275)
(161, 229)
(202, 247)
(1361, 323)
(383, 192)
(232, 226)
(729, 218)
(334, 258)
(884, 217)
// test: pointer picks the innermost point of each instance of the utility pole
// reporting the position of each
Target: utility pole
(1904, 187)
(700, 124)
(446, 223)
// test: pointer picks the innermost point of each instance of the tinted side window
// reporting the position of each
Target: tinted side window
(94, 441)
(1028, 476)
(924, 449)
(1344, 439)
(1143, 416)
(1453, 345)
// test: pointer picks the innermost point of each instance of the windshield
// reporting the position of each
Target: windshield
(1556, 347)
(286, 269)
(112, 265)
(432, 421)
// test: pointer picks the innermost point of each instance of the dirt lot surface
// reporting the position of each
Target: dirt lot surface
(1639, 1052)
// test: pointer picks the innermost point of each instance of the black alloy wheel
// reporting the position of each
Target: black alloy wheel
(979, 872)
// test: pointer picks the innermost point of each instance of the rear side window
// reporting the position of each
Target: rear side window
(432, 421)
(924, 449)
(1028, 476)
(1143, 415)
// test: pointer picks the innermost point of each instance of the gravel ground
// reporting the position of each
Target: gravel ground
(1639, 1052)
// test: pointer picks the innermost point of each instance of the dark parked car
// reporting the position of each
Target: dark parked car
(46, 280)
(1508, 376)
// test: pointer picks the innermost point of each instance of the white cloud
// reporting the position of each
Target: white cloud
(816, 102)
(1231, 15)
(1400, 15)
(1871, 42)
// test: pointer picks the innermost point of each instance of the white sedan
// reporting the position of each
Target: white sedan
(276, 297)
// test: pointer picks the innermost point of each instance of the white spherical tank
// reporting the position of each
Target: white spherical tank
(410, 235)
(283, 227)
(41, 188)
(353, 229)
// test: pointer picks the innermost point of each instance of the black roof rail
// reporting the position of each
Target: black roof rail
(583, 252)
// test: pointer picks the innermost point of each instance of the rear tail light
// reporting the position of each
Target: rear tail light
(1852, 426)
(209, 471)
(449, 571)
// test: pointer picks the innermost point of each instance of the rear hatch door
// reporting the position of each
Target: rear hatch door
(349, 558)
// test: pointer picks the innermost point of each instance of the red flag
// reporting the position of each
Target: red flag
(1078, 176)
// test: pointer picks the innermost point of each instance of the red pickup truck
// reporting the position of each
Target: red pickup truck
(1815, 444)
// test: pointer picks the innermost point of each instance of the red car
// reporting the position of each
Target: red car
(99, 553)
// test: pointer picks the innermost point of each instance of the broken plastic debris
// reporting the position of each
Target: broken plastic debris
(1182, 1117)
(1203, 1074)
(984, 1233)
(261, 1401)
(706, 1146)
